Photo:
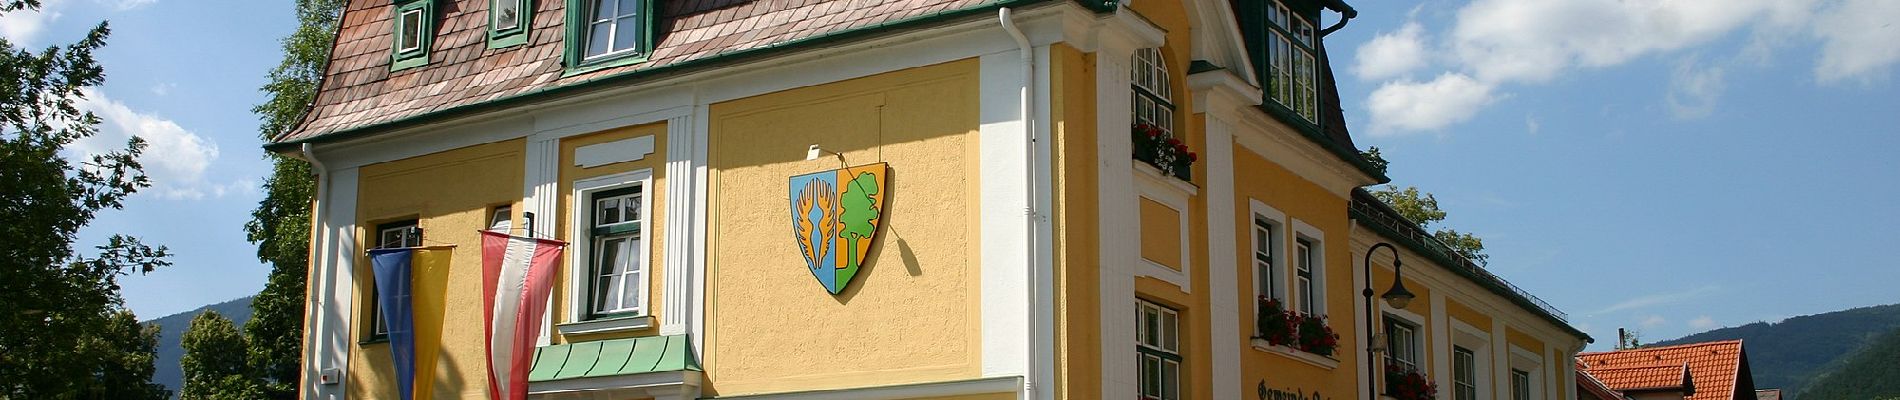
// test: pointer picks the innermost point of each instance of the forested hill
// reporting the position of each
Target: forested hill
(1871, 373)
(171, 327)
(1788, 354)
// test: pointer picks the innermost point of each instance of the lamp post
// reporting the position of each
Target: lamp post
(1397, 297)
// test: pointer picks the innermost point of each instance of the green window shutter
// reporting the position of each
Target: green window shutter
(509, 22)
(414, 25)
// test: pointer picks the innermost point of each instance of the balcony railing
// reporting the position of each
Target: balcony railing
(1376, 213)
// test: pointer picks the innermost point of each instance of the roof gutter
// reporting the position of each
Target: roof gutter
(643, 74)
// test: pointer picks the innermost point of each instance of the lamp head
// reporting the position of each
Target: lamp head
(1397, 296)
(813, 152)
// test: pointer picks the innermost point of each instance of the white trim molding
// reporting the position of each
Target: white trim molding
(617, 151)
(1178, 196)
(580, 260)
(1004, 384)
(1277, 227)
(670, 385)
(1316, 239)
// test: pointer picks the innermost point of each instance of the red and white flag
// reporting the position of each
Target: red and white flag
(517, 275)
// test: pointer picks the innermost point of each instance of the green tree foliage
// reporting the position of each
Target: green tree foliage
(214, 362)
(64, 330)
(1377, 160)
(859, 210)
(280, 226)
(1422, 208)
(1874, 372)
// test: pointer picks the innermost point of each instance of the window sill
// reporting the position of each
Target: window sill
(373, 340)
(1156, 175)
(621, 324)
(1289, 352)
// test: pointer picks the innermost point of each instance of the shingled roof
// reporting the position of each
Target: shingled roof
(359, 90)
(1716, 370)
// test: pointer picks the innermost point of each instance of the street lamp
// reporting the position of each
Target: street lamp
(1397, 297)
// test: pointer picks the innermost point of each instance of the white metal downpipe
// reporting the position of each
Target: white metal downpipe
(1032, 215)
(312, 279)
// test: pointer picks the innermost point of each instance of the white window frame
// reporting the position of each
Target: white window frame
(1167, 342)
(580, 262)
(495, 20)
(1417, 342)
(501, 218)
(1276, 221)
(588, 22)
(1149, 73)
(404, 26)
(1532, 364)
(1316, 253)
(1291, 79)
(1479, 342)
(1469, 372)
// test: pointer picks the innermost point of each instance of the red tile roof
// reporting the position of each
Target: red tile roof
(1715, 368)
(359, 89)
(1588, 384)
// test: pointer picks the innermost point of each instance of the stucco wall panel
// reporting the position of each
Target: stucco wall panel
(912, 313)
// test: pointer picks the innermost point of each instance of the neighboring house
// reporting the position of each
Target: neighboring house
(1588, 387)
(1696, 371)
(1474, 334)
(1071, 199)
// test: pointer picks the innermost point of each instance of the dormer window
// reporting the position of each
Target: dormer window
(1291, 62)
(507, 22)
(607, 33)
(414, 24)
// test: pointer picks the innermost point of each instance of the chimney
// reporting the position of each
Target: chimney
(1622, 339)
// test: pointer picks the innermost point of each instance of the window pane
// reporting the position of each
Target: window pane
(607, 211)
(603, 10)
(629, 7)
(1152, 320)
(630, 290)
(605, 293)
(1170, 380)
(610, 256)
(630, 208)
(1151, 367)
(505, 14)
(411, 30)
(597, 38)
(626, 33)
(1168, 339)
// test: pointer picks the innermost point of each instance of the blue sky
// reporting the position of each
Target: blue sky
(184, 76)
(1667, 166)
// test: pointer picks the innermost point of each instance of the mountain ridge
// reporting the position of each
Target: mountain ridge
(1790, 354)
(172, 327)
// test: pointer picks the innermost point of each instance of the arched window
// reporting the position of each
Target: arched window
(1152, 104)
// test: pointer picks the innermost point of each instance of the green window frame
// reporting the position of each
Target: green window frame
(389, 235)
(508, 22)
(616, 264)
(414, 31)
(1158, 344)
(591, 21)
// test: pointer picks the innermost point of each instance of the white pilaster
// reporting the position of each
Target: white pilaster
(681, 205)
(540, 197)
(1116, 41)
(1217, 99)
(1004, 221)
(1441, 341)
(1500, 359)
(332, 285)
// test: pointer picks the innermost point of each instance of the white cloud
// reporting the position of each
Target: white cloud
(175, 158)
(127, 5)
(1859, 40)
(1660, 299)
(1693, 90)
(1406, 105)
(23, 26)
(1703, 323)
(1531, 124)
(1653, 321)
(1392, 54)
(1534, 41)
(164, 89)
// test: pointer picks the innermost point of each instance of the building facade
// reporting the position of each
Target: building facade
(987, 199)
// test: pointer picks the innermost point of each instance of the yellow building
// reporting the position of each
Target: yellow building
(1074, 200)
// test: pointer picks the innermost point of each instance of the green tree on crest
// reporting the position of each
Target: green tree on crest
(860, 210)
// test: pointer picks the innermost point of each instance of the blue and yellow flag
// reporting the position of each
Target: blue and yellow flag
(410, 285)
